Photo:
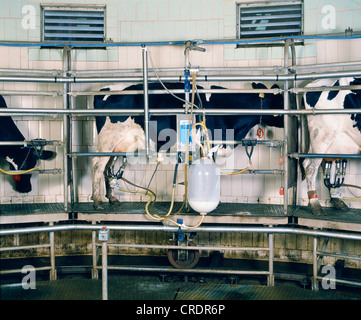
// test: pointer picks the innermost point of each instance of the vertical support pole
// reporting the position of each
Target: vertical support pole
(271, 279)
(285, 129)
(52, 253)
(65, 137)
(95, 274)
(146, 99)
(315, 268)
(104, 270)
(186, 67)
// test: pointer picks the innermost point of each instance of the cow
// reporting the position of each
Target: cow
(240, 124)
(19, 158)
(330, 134)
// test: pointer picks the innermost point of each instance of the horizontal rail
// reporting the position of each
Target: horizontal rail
(35, 246)
(168, 247)
(331, 36)
(348, 282)
(163, 228)
(338, 255)
(175, 91)
(20, 270)
(29, 143)
(178, 91)
(325, 155)
(173, 270)
(200, 78)
(172, 111)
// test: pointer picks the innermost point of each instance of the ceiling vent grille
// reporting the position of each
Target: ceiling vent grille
(269, 19)
(73, 24)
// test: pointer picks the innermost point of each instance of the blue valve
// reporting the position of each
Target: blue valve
(180, 233)
(187, 85)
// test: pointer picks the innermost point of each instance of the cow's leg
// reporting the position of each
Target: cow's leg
(98, 166)
(109, 190)
(311, 169)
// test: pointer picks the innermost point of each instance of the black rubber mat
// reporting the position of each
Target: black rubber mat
(129, 288)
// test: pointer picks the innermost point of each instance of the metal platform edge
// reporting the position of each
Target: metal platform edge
(237, 214)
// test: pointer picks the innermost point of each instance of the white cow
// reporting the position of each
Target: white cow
(330, 133)
(124, 136)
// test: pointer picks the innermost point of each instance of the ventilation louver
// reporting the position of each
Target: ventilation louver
(73, 25)
(271, 19)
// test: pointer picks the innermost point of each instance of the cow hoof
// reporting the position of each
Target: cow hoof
(114, 201)
(317, 210)
(338, 204)
(98, 206)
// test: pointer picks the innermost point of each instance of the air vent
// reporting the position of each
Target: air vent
(73, 24)
(271, 19)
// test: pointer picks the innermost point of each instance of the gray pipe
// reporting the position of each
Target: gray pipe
(325, 155)
(170, 111)
(273, 78)
(146, 98)
(162, 228)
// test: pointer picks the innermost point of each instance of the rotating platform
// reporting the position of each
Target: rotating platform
(142, 290)
(225, 213)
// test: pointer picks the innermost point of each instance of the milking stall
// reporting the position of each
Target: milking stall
(180, 150)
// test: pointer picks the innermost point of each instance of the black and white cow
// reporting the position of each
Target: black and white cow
(19, 158)
(110, 140)
(329, 133)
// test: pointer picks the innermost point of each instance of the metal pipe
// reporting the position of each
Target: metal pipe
(104, 270)
(65, 132)
(31, 93)
(338, 255)
(27, 143)
(204, 271)
(20, 270)
(169, 247)
(315, 269)
(175, 91)
(163, 228)
(325, 155)
(94, 254)
(36, 246)
(285, 128)
(326, 88)
(52, 253)
(146, 98)
(200, 78)
(332, 36)
(271, 279)
(167, 70)
(53, 72)
(326, 65)
(170, 111)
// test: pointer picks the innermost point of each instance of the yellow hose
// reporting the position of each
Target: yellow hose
(351, 186)
(19, 173)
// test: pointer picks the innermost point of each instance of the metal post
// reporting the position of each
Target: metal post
(104, 270)
(146, 100)
(95, 273)
(65, 138)
(285, 130)
(315, 269)
(271, 279)
(103, 238)
(52, 253)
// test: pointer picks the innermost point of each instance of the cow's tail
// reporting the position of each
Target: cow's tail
(304, 136)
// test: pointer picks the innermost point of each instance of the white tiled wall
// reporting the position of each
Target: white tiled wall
(161, 20)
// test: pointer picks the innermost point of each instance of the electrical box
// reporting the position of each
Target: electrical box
(104, 234)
